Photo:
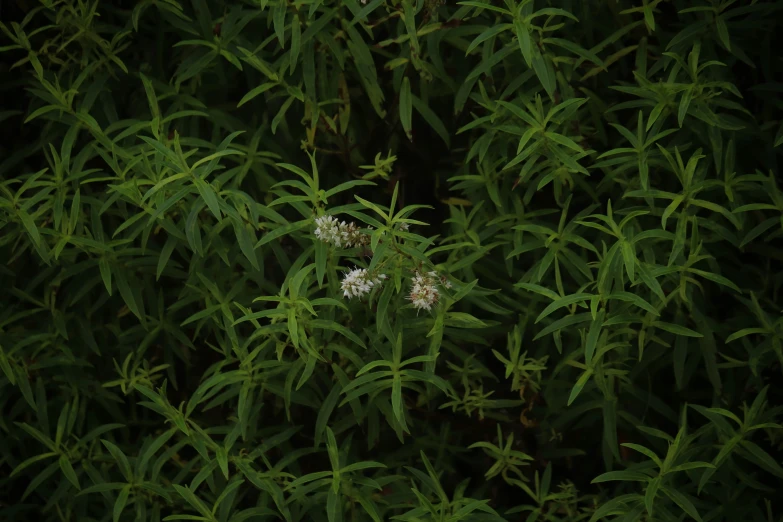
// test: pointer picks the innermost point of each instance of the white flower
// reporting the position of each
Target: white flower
(327, 229)
(424, 294)
(359, 282)
(339, 233)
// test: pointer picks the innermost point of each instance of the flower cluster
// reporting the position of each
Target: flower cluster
(339, 233)
(359, 282)
(424, 291)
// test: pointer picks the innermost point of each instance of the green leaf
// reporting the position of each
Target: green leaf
(626, 475)
(282, 231)
(68, 471)
(683, 502)
(676, 329)
(280, 116)
(119, 504)
(5, 366)
(151, 449)
(152, 99)
(191, 499)
(691, 465)
(128, 295)
(397, 406)
(40, 478)
(580, 384)
(576, 49)
(716, 278)
(592, 336)
(325, 412)
(334, 512)
(634, 299)
(228, 490)
(483, 5)
(463, 320)
(36, 434)
(29, 225)
(362, 465)
(610, 426)
(545, 73)
(685, 102)
(347, 185)
(561, 302)
(629, 258)
(762, 457)
(369, 506)
(649, 494)
(644, 451)
(101, 488)
(656, 433)
(256, 91)
(744, 333)
(431, 118)
(525, 41)
(330, 325)
(105, 269)
(491, 32)
(32, 460)
(723, 32)
(120, 458)
(650, 281)
(247, 241)
(207, 312)
(406, 108)
(296, 42)
(539, 290)
(22, 379)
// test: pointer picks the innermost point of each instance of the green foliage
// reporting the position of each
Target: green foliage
(368, 260)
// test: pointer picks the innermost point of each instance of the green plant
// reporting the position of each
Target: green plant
(340, 260)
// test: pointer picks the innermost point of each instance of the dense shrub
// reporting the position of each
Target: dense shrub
(423, 260)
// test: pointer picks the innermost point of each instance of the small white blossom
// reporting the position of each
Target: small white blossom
(339, 233)
(404, 227)
(358, 282)
(424, 294)
(327, 229)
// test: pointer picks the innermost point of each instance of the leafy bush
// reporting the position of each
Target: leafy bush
(325, 260)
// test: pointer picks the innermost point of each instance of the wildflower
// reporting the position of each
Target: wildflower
(354, 236)
(327, 229)
(339, 233)
(424, 294)
(404, 227)
(358, 282)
